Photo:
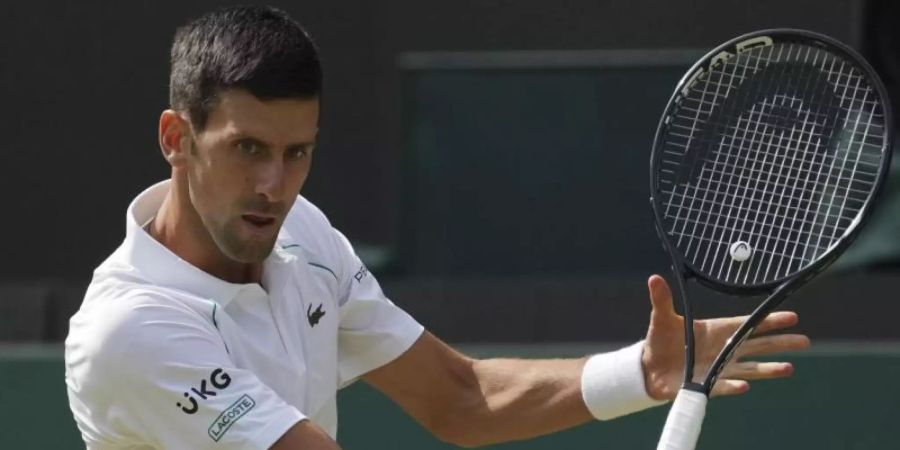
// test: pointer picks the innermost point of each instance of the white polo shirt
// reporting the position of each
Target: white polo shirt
(163, 355)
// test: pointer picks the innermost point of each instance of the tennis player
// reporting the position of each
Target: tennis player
(233, 311)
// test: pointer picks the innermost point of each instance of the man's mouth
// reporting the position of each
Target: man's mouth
(258, 220)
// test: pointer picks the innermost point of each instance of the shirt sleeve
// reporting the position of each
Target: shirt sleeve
(373, 331)
(160, 374)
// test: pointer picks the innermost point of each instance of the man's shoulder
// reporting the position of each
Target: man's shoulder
(116, 315)
(119, 286)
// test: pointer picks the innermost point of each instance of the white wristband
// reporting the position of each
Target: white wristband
(612, 384)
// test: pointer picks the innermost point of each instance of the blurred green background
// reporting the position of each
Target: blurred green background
(843, 396)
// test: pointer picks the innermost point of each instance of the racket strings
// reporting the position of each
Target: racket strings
(840, 78)
(771, 213)
(787, 171)
(760, 115)
(800, 141)
(698, 245)
(768, 184)
(689, 207)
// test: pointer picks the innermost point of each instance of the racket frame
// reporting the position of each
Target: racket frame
(777, 289)
(732, 47)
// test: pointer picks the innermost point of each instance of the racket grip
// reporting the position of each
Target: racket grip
(683, 424)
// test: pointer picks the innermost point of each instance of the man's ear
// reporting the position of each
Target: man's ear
(174, 138)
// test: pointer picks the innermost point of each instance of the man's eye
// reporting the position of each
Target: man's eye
(249, 148)
(298, 152)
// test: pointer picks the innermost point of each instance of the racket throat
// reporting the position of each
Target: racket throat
(746, 329)
(695, 387)
(688, 314)
(727, 354)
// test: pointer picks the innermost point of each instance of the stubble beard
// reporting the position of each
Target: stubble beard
(243, 250)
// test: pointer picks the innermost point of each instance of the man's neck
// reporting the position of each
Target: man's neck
(178, 227)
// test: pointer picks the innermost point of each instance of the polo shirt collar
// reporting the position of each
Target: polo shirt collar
(166, 269)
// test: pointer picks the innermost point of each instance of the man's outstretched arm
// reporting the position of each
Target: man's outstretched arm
(471, 402)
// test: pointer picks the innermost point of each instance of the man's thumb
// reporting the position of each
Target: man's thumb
(660, 296)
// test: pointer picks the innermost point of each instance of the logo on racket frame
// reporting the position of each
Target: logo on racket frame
(740, 47)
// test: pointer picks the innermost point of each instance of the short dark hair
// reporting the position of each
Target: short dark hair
(260, 49)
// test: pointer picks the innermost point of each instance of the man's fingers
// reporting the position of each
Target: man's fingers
(730, 387)
(752, 370)
(777, 321)
(773, 344)
(734, 377)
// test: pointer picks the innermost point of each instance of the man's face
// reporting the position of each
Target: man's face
(246, 168)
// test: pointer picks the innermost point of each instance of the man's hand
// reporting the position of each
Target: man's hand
(663, 358)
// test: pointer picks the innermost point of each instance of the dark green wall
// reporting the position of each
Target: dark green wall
(107, 62)
(842, 397)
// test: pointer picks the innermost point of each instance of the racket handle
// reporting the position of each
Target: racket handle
(683, 424)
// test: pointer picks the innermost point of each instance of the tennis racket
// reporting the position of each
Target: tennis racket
(765, 166)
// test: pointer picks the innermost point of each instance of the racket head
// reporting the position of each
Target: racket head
(746, 102)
